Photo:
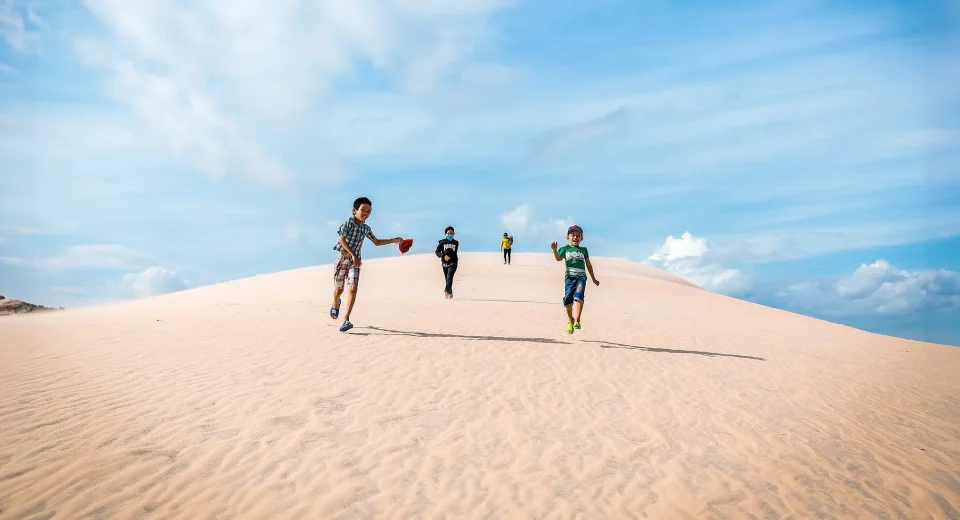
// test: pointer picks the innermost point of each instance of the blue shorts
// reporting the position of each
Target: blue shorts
(573, 289)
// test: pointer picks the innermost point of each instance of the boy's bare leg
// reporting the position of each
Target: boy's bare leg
(579, 306)
(570, 313)
(336, 301)
(353, 299)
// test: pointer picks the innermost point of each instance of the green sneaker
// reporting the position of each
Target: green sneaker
(576, 325)
(569, 328)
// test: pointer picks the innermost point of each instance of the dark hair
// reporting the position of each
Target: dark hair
(361, 201)
(449, 228)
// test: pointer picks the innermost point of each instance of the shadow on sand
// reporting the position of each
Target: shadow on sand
(603, 344)
(609, 344)
(389, 332)
(506, 301)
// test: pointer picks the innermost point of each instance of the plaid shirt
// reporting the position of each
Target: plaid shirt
(353, 233)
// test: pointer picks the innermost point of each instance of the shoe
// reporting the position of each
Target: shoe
(335, 311)
(576, 325)
(569, 328)
(446, 295)
(346, 326)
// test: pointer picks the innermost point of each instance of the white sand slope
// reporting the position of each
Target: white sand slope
(242, 400)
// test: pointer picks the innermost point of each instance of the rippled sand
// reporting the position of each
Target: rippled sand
(242, 400)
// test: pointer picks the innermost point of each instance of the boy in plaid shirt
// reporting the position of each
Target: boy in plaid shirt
(347, 267)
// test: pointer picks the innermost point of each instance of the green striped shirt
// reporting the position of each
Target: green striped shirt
(575, 259)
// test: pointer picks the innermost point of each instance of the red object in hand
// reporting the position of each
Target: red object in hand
(405, 245)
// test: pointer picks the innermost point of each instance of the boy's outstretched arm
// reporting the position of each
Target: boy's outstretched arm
(556, 254)
(590, 270)
(383, 242)
(386, 242)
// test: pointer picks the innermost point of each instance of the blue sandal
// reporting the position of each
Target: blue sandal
(346, 326)
(335, 312)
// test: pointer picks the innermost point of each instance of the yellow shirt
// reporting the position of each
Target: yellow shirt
(505, 242)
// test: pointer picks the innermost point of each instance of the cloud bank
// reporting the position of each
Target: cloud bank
(875, 289)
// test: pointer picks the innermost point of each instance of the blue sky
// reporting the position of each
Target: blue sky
(799, 154)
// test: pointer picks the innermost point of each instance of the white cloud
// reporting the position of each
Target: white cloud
(866, 279)
(20, 25)
(7, 69)
(191, 128)
(818, 104)
(153, 281)
(98, 256)
(688, 258)
(25, 230)
(872, 289)
(560, 141)
(821, 102)
(14, 260)
(207, 78)
(687, 246)
(877, 288)
(517, 219)
(101, 256)
(523, 221)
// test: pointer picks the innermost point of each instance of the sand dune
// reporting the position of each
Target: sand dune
(242, 400)
(10, 306)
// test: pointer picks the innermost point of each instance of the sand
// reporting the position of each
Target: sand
(243, 400)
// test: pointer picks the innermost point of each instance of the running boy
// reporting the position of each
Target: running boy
(575, 273)
(447, 248)
(347, 267)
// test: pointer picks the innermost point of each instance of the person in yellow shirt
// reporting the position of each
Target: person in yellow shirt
(506, 244)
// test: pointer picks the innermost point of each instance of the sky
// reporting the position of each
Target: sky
(798, 154)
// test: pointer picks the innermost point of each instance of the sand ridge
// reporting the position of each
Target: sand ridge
(242, 400)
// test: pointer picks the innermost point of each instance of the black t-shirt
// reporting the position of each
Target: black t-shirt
(448, 248)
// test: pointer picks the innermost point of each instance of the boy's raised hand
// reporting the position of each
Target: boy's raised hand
(553, 245)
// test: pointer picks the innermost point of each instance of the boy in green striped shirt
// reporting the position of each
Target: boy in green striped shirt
(577, 261)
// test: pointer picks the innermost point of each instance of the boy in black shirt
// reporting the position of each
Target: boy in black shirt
(447, 253)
